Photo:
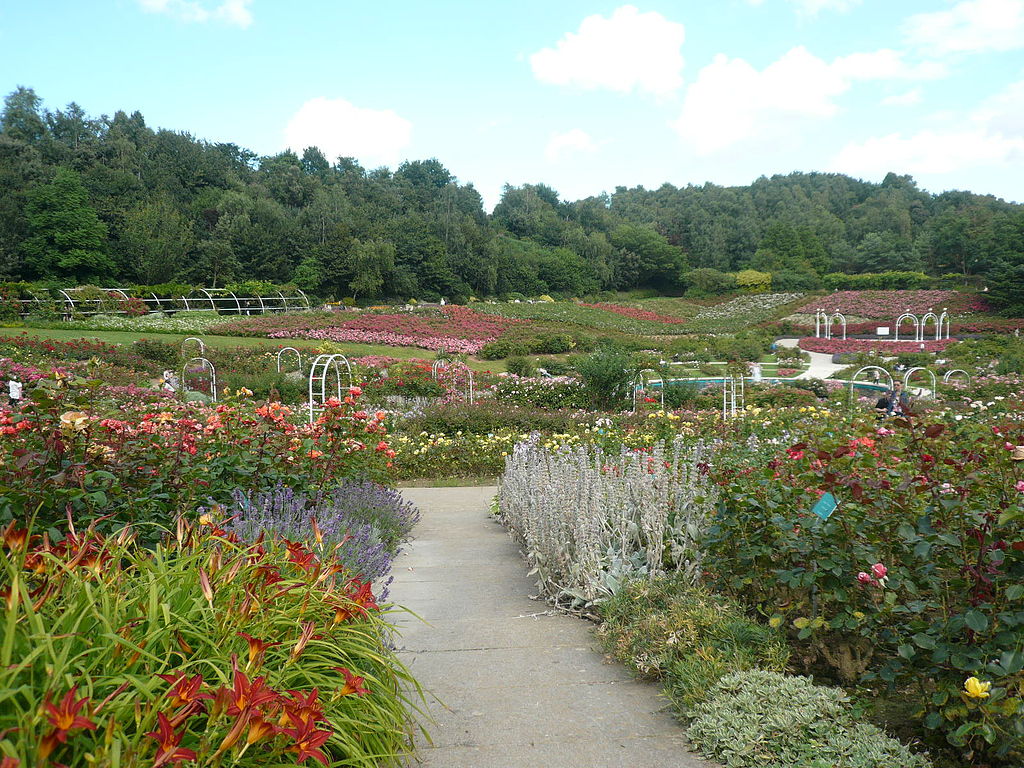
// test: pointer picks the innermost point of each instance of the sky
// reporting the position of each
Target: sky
(581, 96)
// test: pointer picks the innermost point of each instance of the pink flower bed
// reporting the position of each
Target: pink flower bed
(833, 346)
(453, 329)
(636, 314)
(888, 305)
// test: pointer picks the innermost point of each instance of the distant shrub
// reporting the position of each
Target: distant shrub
(157, 351)
(521, 366)
(878, 281)
(708, 282)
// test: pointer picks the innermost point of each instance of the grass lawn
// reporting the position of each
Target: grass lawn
(351, 350)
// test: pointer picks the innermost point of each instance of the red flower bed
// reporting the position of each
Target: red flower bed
(636, 314)
(833, 346)
(453, 328)
(889, 305)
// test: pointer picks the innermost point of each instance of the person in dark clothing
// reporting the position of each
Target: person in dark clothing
(882, 407)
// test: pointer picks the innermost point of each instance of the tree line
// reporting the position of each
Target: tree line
(110, 200)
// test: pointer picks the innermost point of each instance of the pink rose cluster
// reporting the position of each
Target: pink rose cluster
(877, 576)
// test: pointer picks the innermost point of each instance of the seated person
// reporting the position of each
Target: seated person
(883, 405)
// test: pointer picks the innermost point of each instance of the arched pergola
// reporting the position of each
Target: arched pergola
(856, 377)
(204, 365)
(318, 372)
(443, 364)
(915, 369)
(197, 340)
(733, 396)
(908, 315)
(298, 356)
(643, 380)
(831, 322)
(949, 375)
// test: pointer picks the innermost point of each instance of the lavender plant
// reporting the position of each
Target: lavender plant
(591, 520)
(364, 522)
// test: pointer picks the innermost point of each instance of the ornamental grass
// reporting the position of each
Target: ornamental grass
(201, 650)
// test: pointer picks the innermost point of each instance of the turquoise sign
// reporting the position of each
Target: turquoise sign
(826, 506)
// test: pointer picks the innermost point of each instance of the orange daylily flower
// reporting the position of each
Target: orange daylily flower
(185, 691)
(308, 741)
(353, 683)
(257, 648)
(168, 740)
(64, 718)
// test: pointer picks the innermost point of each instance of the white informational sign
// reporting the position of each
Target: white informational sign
(14, 389)
(882, 330)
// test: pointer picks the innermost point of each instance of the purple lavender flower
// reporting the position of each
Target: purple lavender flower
(364, 522)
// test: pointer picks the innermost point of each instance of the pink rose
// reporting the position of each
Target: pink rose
(879, 570)
(864, 578)
(1020, 486)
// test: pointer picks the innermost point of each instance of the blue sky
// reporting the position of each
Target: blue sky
(583, 96)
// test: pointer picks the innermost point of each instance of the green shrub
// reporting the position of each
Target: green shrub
(521, 366)
(765, 719)
(487, 417)
(686, 635)
(606, 373)
(157, 351)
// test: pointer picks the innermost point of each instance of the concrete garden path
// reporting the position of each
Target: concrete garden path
(512, 685)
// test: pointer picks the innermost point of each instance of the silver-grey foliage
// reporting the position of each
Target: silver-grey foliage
(589, 520)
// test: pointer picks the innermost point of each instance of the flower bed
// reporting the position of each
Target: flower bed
(454, 329)
(888, 305)
(636, 314)
(834, 346)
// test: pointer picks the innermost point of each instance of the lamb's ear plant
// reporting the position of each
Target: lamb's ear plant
(762, 719)
(243, 654)
(591, 520)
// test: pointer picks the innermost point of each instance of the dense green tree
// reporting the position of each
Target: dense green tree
(159, 240)
(371, 264)
(65, 236)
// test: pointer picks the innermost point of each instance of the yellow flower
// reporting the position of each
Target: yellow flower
(775, 622)
(976, 689)
(245, 392)
(74, 421)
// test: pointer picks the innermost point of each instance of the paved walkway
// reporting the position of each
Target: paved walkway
(512, 685)
(821, 365)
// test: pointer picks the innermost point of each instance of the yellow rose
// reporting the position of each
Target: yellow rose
(976, 689)
(74, 421)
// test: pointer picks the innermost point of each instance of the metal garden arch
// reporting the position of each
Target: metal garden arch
(281, 351)
(856, 376)
(641, 382)
(204, 365)
(318, 378)
(915, 369)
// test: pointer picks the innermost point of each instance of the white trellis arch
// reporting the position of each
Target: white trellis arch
(642, 381)
(298, 356)
(908, 315)
(820, 323)
(915, 369)
(866, 368)
(943, 320)
(949, 375)
(202, 346)
(929, 315)
(831, 322)
(318, 372)
(443, 363)
(204, 365)
(733, 396)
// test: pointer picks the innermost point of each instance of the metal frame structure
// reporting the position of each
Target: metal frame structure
(929, 315)
(943, 319)
(915, 369)
(204, 364)
(202, 346)
(945, 379)
(323, 363)
(640, 382)
(908, 315)
(733, 394)
(219, 300)
(288, 349)
(853, 381)
(831, 322)
(820, 319)
(443, 363)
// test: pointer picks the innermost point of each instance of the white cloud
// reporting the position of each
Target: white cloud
(814, 7)
(731, 101)
(627, 51)
(575, 140)
(233, 12)
(968, 27)
(341, 129)
(991, 135)
(906, 99)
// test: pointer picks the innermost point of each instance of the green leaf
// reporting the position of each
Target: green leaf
(906, 651)
(976, 620)
(932, 720)
(1015, 592)
(922, 640)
